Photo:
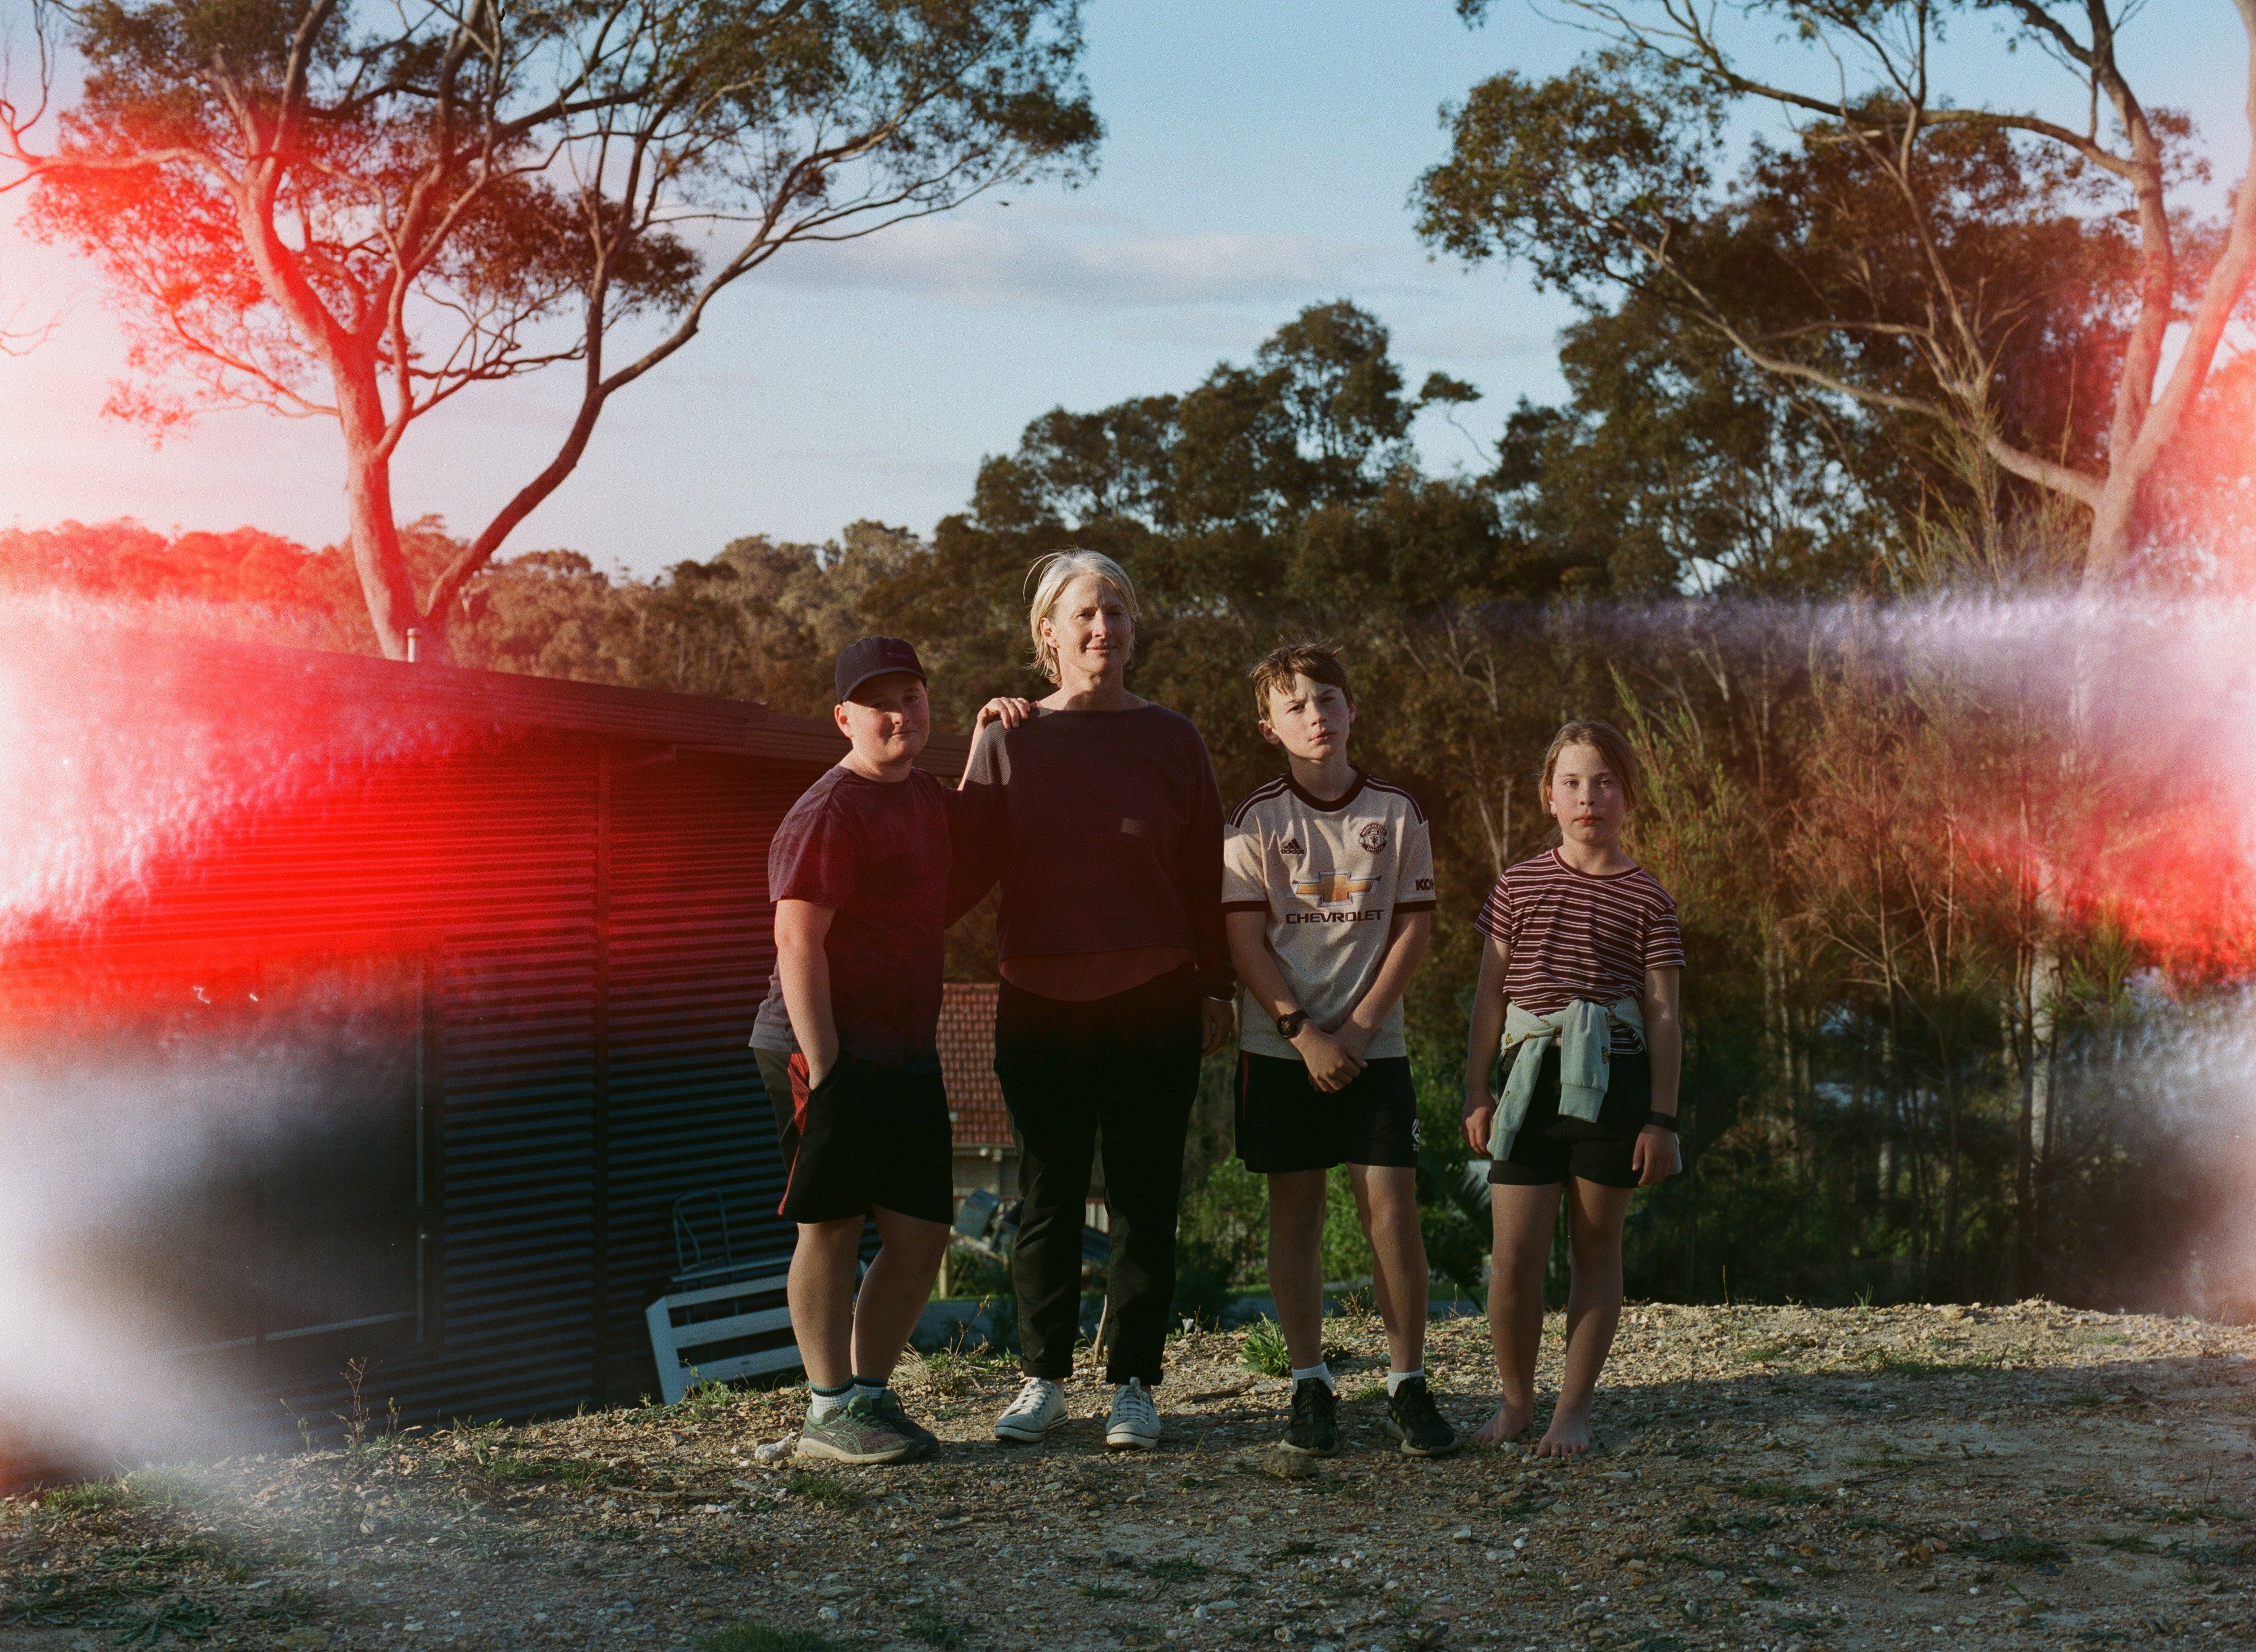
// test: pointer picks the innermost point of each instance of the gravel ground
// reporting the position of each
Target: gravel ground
(1779, 1479)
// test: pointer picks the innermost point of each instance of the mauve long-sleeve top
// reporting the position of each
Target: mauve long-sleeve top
(1105, 828)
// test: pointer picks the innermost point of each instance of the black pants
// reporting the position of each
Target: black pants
(1127, 1064)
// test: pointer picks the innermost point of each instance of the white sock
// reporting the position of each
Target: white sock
(867, 1387)
(1396, 1379)
(1322, 1371)
(821, 1402)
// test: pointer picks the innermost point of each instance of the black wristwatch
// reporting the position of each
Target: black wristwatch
(1288, 1025)
(1665, 1120)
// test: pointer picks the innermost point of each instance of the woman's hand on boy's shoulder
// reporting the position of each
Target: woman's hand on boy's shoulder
(1006, 709)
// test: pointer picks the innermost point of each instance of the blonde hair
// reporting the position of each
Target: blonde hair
(1049, 577)
(1610, 743)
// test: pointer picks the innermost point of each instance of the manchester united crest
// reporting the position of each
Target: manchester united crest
(1372, 837)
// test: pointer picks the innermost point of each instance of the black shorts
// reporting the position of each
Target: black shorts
(1549, 1149)
(1285, 1123)
(866, 1136)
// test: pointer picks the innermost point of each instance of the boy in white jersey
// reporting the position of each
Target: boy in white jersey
(1328, 894)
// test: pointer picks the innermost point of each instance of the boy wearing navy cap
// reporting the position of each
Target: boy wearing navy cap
(846, 1045)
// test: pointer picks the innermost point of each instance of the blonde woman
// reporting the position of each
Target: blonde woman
(1100, 812)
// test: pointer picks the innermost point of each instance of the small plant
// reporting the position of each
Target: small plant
(823, 1489)
(145, 1487)
(1745, 1521)
(949, 1373)
(2210, 1511)
(189, 1618)
(1174, 1570)
(2221, 1555)
(354, 1417)
(760, 1637)
(89, 1498)
(706, 1397)
(2133, 1544)
(1772, 1491)
(286, 1609)
(2019, 1551)
(166, 1488)
(51, 1602)
(933, 1629)
(1265, 1349)
(1105, 1592)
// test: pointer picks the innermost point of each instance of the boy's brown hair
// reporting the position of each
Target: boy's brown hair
(1318, 661)
(1611, 744)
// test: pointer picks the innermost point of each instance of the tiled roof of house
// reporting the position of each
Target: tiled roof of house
(967, 1062)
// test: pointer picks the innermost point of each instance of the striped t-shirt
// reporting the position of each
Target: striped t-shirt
(1575, 935)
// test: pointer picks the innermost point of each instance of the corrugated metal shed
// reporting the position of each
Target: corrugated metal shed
(576, 874)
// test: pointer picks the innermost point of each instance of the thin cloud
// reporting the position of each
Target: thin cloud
(1472, 343)
(1228, 331)
(982, 261)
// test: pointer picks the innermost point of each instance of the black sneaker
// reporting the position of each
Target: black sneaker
(1315, 1419)
(1413, 1418)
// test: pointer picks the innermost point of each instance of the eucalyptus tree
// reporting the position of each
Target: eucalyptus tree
(360, 211)
(1901, 250)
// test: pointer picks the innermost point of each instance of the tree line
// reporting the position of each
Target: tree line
(1935, 955)
(1896, 507)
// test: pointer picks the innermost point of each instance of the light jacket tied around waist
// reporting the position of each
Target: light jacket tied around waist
(1584, 1033)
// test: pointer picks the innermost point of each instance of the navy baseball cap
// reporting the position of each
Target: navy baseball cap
(870, 656)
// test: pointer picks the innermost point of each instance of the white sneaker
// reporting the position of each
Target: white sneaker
(1134, 1424)
(1040, 1408)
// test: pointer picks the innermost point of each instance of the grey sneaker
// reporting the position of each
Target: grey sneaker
(854, 1432)
(1040, 1408)
(897, 1419)
(1134, 1424)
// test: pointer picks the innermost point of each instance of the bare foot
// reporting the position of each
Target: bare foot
(1569, 1436)
(1507, 1425)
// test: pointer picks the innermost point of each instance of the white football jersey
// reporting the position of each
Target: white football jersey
(1332, 876)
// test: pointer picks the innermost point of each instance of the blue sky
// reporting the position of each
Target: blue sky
(1259, 159)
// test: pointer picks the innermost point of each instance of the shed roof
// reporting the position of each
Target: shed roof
(967, 1062)
(181, 669)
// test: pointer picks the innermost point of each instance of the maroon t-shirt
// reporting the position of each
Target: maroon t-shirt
(877, 853)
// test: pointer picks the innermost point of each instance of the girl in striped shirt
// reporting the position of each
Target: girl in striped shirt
(1578, 987)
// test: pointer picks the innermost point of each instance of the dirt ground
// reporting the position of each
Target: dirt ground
(1779, 1479)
